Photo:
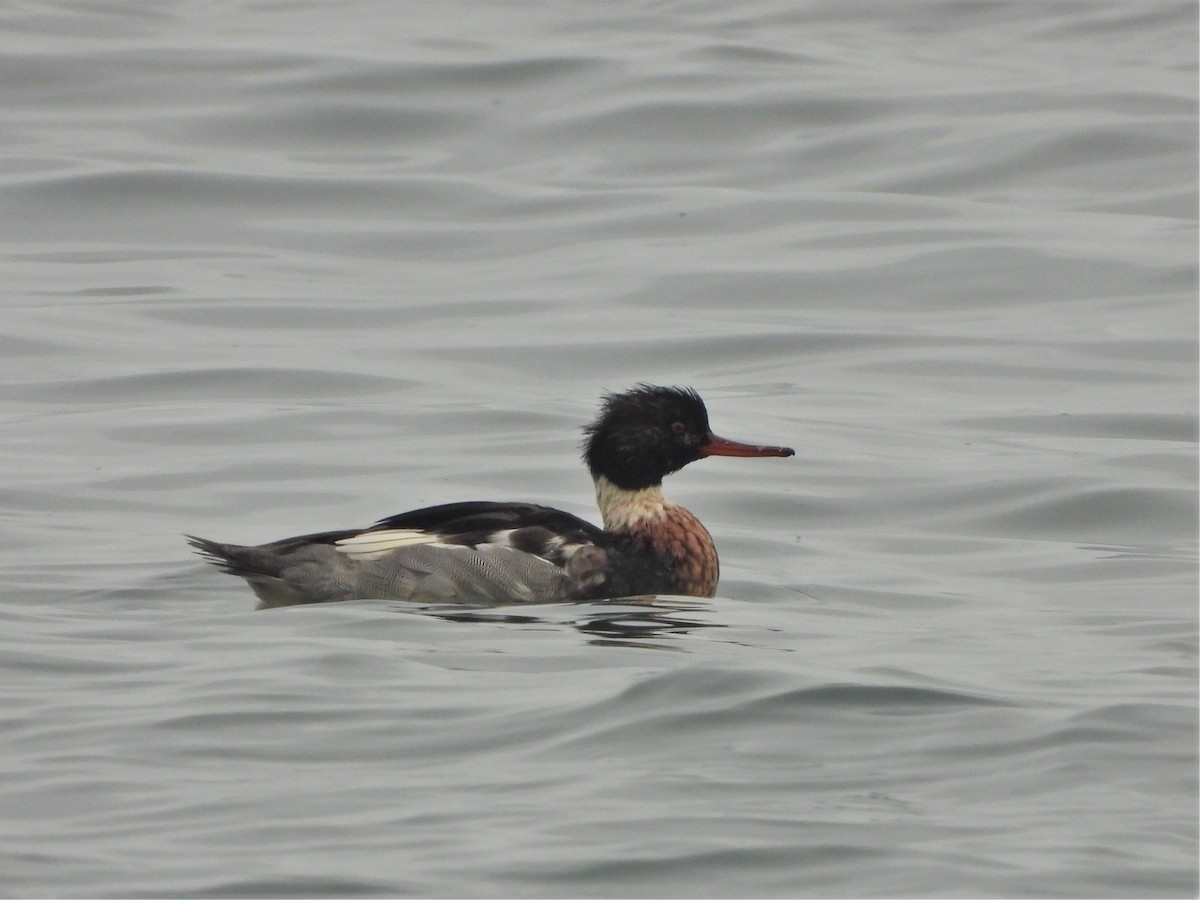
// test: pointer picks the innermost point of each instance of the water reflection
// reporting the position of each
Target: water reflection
(636, 622)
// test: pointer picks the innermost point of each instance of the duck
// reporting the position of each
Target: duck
(497, 553)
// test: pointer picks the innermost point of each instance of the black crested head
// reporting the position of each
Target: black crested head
(646, 433)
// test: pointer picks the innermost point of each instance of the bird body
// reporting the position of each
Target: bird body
(482, 552)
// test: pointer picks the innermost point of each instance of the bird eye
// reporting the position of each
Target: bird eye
(678, 427)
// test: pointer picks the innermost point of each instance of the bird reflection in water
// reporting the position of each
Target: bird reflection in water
(619, 623)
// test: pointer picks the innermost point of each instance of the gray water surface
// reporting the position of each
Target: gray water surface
(278, 268)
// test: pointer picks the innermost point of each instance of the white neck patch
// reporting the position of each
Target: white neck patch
(622, 509)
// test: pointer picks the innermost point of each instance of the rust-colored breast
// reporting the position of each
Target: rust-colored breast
(684, 545)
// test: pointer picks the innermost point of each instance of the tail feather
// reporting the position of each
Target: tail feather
(231, 558)
(263, 570)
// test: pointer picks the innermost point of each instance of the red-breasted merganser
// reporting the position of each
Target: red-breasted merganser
(490, 553)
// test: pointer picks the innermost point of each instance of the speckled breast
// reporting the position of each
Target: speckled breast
(686, 549)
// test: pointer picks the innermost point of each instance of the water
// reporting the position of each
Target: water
(275, 268)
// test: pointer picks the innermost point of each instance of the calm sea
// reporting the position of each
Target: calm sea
(277, 267)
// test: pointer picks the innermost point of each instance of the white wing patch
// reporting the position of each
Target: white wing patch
(370, 544)
(501, 538)
(373, 544)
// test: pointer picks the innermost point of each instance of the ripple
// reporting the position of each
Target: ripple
(159, 386)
